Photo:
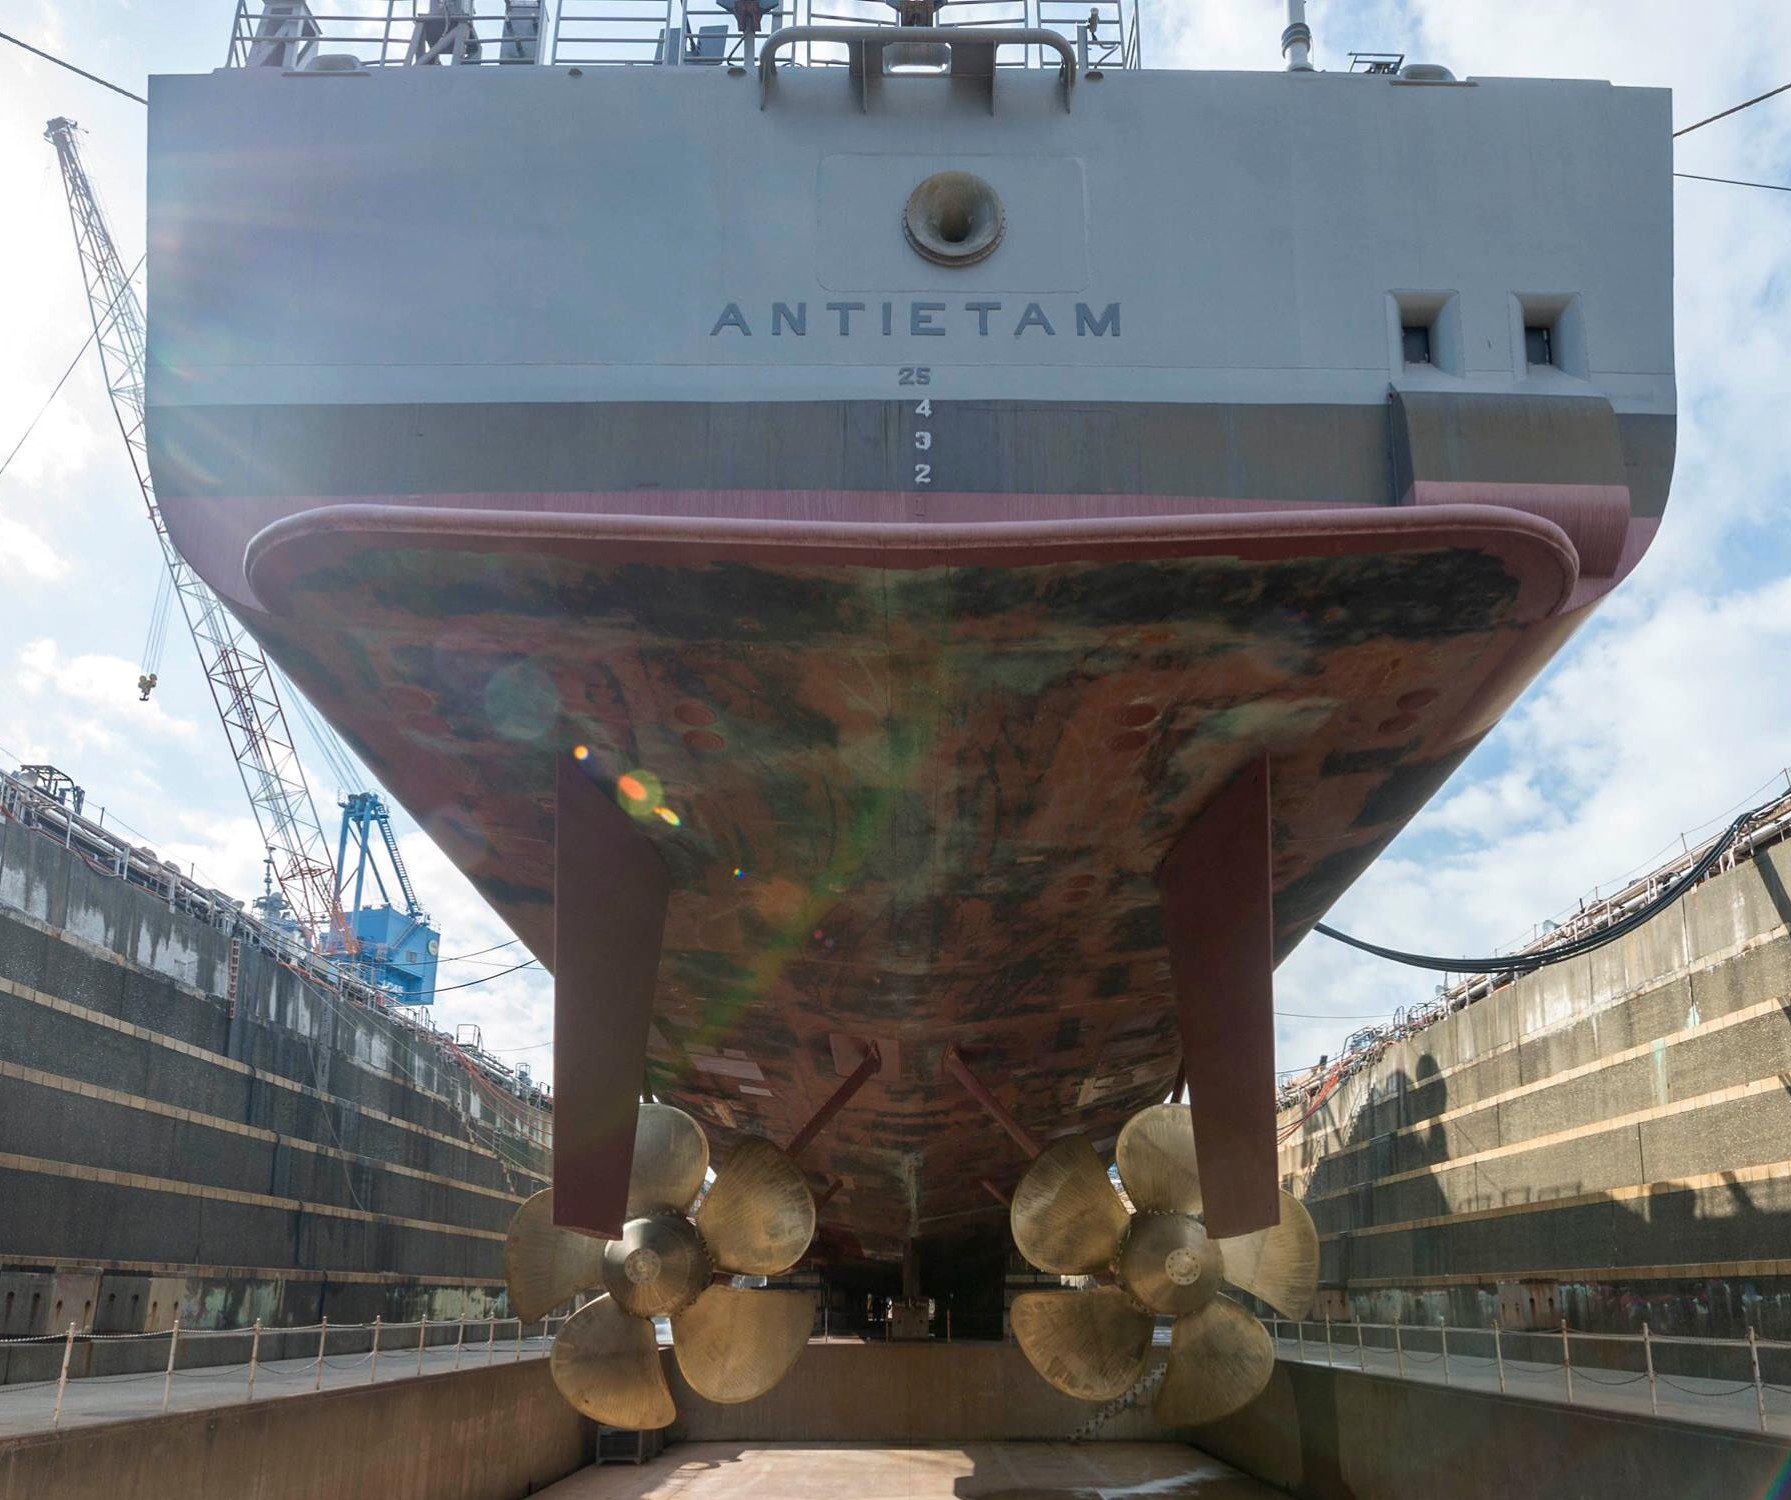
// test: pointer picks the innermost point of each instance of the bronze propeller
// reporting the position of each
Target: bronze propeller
(757, 1219)
(1095, 1344)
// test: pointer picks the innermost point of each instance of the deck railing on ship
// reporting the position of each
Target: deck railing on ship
(351, 35)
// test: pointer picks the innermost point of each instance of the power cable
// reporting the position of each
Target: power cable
(90, 77)
(468, 984)
(1733, 109)
(1771, 187)
(1526, 963)
(479, 952)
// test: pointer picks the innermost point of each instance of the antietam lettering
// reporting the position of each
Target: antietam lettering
(983, 319)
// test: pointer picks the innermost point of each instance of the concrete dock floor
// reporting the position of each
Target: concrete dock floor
(970, 1471)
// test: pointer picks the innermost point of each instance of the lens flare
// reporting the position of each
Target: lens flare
(581, 752)
(666, 815)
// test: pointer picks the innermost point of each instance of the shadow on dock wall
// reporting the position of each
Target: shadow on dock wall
(1527, 1245)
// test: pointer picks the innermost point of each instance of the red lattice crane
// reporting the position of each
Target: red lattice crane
(242, 684)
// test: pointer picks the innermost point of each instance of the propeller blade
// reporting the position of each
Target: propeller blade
(758, 1216)
(607, 1365)
(545, 1265)
(1156, 1160)
(733, 1345)
(671, 1154)
(1278, 1264)
(1220, 1359)
(1091, 1345)
(1065, 1215)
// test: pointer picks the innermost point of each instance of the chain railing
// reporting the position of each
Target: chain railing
(353, 35)
(1577, 1367)
(287, 1359)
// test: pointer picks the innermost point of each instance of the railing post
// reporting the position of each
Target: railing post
(373, 1370)
(254, 1358)
(1567, 1360)
(173, 1344)
(323, 1337)
(1330, 1359)
(1753, 1349)
(1361, 1353)
(1398, 1347)
(1648, 1356)
(1499, 1354)
(459, 1341)
(1300, 1338)
(490, 1340)
(68, 1350)
(1443, 1334)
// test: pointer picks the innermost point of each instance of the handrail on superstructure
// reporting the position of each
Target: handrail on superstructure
(355, 36)
(970, 51)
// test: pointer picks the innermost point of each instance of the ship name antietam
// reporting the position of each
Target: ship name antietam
(977, 319)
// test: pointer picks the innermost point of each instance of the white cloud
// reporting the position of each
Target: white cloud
(107, 684)
(27, 556)
(1658, 724)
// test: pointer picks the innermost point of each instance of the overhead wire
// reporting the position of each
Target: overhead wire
(86, 344)
(486, 979)
(1733, 109)
(1771, 187)
(90, 77)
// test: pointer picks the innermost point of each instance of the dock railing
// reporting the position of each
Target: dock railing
(237, 1363)
(1731, 1382)
(357, 35)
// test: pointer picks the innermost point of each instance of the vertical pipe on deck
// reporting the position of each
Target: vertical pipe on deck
(1753, 1350)
(373, 1371)
(68, 1350)
(173, 1344)
(1567, 1360)
(1648, 1356)
(323, 1338)
(254, 1358)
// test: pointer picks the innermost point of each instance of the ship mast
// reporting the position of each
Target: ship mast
(242, 686)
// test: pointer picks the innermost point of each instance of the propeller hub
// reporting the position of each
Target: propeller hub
(658, 1267)
(1169, 1264)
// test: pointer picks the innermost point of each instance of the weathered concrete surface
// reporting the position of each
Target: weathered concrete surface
(1337, 1435)
(168, 1146)
(480, 1435)
(1605, 1140)
(903, 1393)
(997, 1471)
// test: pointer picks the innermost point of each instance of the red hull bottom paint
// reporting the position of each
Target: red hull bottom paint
(923, 773)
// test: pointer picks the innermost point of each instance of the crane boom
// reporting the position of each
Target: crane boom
(242, 686)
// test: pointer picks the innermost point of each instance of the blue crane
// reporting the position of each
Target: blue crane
(397, 948)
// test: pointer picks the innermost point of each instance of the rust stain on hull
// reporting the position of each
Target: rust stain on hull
(920, 797)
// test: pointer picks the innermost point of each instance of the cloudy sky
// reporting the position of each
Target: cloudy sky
(1668, 711)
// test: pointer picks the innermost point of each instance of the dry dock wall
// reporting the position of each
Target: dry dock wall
(1605, 1141)
(287, 1156)
(1336, 1435)
(478, 1435)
